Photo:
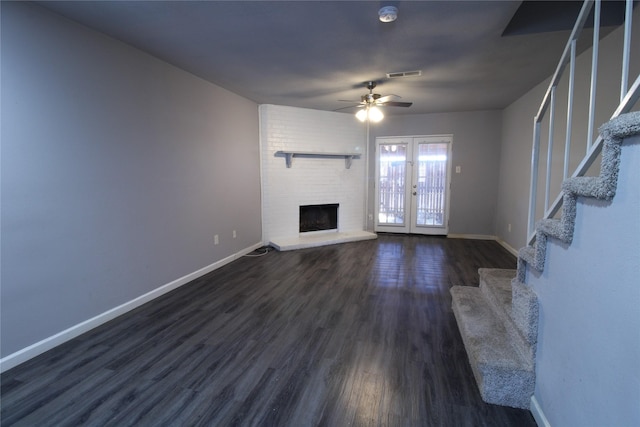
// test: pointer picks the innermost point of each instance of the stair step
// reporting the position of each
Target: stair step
(525, 314)
(504, 376)
(530, 253)
(518, 310)
(590, 186)
(496, 286)
(527, 253)
(555, 228)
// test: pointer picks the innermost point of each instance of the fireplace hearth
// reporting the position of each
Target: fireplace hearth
(318, 217)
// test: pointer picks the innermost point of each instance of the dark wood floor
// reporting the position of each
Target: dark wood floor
(353, 334)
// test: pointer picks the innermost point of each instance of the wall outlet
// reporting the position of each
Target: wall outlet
(234, 234)
(370, 217)
(216, 239)
(509, 228)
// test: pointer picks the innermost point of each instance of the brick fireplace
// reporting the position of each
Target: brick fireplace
(313, 179)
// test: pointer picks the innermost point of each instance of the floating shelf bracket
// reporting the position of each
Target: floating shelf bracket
(289, 155)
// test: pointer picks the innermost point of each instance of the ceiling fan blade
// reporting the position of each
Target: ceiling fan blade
(350, 106)
(387, 98)
(397, 104)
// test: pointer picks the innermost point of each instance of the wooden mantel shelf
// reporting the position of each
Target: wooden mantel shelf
(289, 155)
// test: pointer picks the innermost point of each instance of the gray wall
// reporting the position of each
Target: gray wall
(515, 167)
(476, 149)
(117, 170)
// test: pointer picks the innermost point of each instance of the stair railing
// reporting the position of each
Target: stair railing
(628, 97)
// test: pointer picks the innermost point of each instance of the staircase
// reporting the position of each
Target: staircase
(499, 326)
(602, 187)
(499, 320)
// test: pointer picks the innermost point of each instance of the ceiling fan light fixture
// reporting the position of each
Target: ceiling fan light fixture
(362, 115)
(375, 115)
(372, 114)
(388, 13)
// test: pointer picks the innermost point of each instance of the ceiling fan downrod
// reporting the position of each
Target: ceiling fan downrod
(371, 97)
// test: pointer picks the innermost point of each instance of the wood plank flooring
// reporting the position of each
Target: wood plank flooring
(358, 334)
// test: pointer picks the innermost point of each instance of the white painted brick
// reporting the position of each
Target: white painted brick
(310, 180)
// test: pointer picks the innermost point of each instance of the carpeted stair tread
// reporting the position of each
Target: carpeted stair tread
(622, 126)
(528, 254)
(503, 375)
(554, 228)
(588, 186)
(525, 314)
(496, 283)
(514, 313)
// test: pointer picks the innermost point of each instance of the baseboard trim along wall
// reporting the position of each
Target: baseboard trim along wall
(504, 244)
(508, 247)
(537, 413)
(46, 344)
(471, 236)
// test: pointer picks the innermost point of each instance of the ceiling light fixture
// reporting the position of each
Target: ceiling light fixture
(388, 13)
(372, 114)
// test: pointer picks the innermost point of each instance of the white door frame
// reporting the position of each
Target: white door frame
(408, 224)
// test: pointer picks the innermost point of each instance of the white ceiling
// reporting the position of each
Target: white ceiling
(313, 54)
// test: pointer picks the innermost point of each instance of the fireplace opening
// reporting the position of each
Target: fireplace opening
(318, 217)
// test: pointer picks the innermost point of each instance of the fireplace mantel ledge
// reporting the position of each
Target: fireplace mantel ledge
(290, 154)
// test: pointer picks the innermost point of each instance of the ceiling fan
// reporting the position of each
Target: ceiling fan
(370, 101)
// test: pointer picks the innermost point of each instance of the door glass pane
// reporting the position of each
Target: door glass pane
(392, 185)
(431, 183)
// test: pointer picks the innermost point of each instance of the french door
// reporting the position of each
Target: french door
(412, 184)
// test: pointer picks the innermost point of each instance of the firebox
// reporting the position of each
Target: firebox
(318, 217)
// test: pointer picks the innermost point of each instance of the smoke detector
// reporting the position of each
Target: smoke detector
(388, 13)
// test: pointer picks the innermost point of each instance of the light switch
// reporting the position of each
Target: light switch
(457, 169)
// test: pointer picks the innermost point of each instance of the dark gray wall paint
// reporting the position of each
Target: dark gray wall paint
(117, 171)
(476, 149)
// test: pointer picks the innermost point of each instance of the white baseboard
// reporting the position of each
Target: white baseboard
(471, 236)
(508, 247)
(537, 413)
(504, 244)
(46, 344)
